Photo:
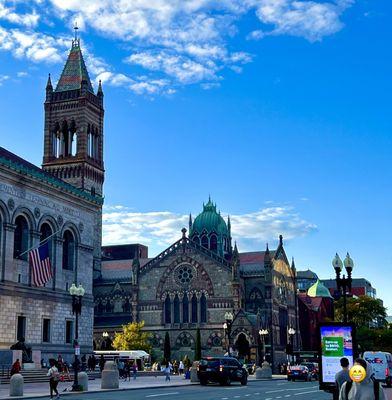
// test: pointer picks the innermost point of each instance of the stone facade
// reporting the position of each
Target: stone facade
(36, 204)
(258, 287)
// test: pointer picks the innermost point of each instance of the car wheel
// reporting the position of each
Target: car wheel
(289, 379)
(227, 381)
(389, 382)
(203, 382)
(244, 381)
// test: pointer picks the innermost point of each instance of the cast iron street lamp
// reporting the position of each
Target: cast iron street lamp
(77, 292)
(263, 333)
(291, 332)
(343, 284)
(227, 328)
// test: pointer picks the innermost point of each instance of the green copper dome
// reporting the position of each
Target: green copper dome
(318, 290)
(209, 221)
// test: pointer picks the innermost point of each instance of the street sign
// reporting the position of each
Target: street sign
(77, 350)
(336, 340)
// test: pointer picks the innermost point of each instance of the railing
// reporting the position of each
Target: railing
(184, 242)
(5, 370)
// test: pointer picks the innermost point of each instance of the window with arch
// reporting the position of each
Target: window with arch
(185, 309)
(69, 248)
(196, 239)
(46, 232)
(176, 309)
(203, 308)
(194, 308)
(213, 243)
(21, 237)
(204, 241)
(255, 300)
(167, 309)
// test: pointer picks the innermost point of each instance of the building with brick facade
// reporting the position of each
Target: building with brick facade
(61, 201)
(192, 284)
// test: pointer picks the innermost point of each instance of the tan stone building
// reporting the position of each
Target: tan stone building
(63, 201)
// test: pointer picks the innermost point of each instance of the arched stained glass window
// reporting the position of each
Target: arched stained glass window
(194, 309)
(176, 309)
(167, 310)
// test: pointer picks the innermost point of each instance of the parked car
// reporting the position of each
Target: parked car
(223, 370)
(381, 363)
(313, 369)
(298, 372)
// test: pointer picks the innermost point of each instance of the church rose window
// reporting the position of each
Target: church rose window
(184, 275)
(216, 341)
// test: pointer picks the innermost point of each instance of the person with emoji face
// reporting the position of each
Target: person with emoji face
(361, 386)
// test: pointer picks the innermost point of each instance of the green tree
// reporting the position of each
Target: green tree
(167, 348)
(132, 338)
(363, 311)
(198, 345)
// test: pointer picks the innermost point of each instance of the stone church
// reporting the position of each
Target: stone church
(61, 201)
(192, 284)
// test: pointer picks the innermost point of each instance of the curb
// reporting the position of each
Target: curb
(126, 389)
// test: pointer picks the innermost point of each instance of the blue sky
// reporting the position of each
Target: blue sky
(279, 109)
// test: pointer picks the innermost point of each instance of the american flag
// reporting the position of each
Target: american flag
(41, 270)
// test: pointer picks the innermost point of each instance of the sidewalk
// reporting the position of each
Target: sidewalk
(42, 389)
(142, 382)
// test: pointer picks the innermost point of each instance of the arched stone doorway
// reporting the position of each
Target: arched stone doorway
(242, 346)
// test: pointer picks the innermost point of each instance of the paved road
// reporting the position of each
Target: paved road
(260, 390)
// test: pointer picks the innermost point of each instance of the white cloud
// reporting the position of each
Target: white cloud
(34, 46)
(309, 19)
(162, 228)
(9, 13)
(178, 42)
(3, 78)
(22, 74)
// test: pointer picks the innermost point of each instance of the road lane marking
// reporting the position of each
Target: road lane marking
(275, 391)
(287, 395)
(311, 391)
(162, 394)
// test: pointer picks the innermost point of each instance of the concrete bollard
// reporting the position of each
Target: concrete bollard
(83, 380)
(266, 371)
(16, 385)
(259, 373)
(110, 376)
(194, 377)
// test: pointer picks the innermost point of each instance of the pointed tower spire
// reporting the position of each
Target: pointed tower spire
(293, 266)
(75, 74)
(235, 249)
(100, 91)
(190, 222)
(267, 256)
(49, 89)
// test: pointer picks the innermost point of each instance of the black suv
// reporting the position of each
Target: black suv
(223, 370)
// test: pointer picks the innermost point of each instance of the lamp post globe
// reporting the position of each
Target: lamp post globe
(77, 293)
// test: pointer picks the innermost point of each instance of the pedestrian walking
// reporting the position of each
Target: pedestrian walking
(341, 377)
(134, 370)
(101, 363)
(127, 371)
(367, 389)
(167, 371)
(54, 377)
(16, 367)
(181, 368)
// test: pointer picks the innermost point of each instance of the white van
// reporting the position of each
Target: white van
(381, 363)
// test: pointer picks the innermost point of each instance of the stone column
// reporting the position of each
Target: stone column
(181, 297)
(198, 295)
(58, 263)
(8, 233)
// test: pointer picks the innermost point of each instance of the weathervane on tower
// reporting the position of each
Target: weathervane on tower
(76, 28)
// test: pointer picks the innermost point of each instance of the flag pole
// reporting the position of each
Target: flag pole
(39, 244)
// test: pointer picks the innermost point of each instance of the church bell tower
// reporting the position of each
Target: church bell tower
(73, 143)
